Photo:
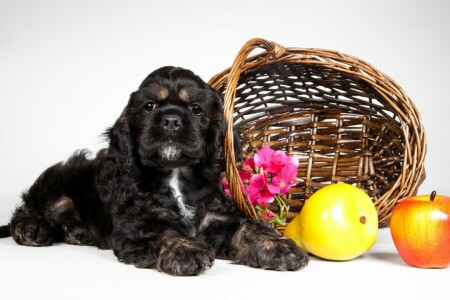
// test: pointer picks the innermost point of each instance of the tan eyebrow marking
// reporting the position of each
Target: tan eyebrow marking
(159, 92)
(184, 94)
(163, 93)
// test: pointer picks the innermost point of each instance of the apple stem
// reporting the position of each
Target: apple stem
(433, 195)
(362, 220)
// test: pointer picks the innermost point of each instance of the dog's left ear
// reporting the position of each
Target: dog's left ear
(237, 149)
(214, 139)
(214, 159)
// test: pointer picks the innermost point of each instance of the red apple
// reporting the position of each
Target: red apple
(420, 228)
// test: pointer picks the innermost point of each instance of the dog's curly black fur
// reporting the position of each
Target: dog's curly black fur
(154, 196)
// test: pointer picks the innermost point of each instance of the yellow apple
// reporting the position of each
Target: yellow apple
(338, 222)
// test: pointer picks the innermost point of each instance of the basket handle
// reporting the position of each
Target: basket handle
(274, 51)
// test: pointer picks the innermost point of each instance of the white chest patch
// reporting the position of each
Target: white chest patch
(174, 183)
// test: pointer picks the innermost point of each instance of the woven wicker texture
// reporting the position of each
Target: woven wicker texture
(345, 120)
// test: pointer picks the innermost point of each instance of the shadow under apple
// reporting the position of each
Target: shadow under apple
(389, 257)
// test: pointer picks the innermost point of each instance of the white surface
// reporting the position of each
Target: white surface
(75, 272)
(68, 67)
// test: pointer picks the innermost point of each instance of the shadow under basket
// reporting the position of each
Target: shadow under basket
(344, 120)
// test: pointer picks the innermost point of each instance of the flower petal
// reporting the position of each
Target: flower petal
(254, 188)
(258, 191)
(245, 177)
(285, 189)
(249, 165)
(265, 197)
(274, 186)
(263, 157)
(226, 187)
(277, 162)
(293, 160)
(289, 173)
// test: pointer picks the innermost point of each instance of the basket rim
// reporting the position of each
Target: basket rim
(410, 120)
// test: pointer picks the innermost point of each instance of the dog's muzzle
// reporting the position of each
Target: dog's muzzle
(171, 140)
(171, 122)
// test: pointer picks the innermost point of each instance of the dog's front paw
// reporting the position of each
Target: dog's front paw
(76, 235)
(273, 253)
(32, 232)
(184, 257)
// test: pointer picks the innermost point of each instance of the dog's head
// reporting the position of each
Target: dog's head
(174, 119)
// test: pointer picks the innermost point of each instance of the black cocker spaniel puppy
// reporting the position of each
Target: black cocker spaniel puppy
(154, 196)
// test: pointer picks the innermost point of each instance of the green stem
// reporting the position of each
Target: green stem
(283, 207)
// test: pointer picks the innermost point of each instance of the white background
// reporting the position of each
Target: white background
(67, 69)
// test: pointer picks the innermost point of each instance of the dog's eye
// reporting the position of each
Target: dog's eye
(149, 106)
(196, 109)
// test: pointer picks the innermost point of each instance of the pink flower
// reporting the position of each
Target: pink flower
(245, 177)
(272, 161)
(278, 160)
(267, 215)
(293, 160)
(249, 165)
(263, 157)
(258, 191)
(226, 187)
(283, 181)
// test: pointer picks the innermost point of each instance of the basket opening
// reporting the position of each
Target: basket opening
(340, 128)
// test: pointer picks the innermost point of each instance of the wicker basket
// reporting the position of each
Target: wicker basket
(347, 122)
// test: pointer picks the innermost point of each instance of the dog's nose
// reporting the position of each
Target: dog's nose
(171, 122)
